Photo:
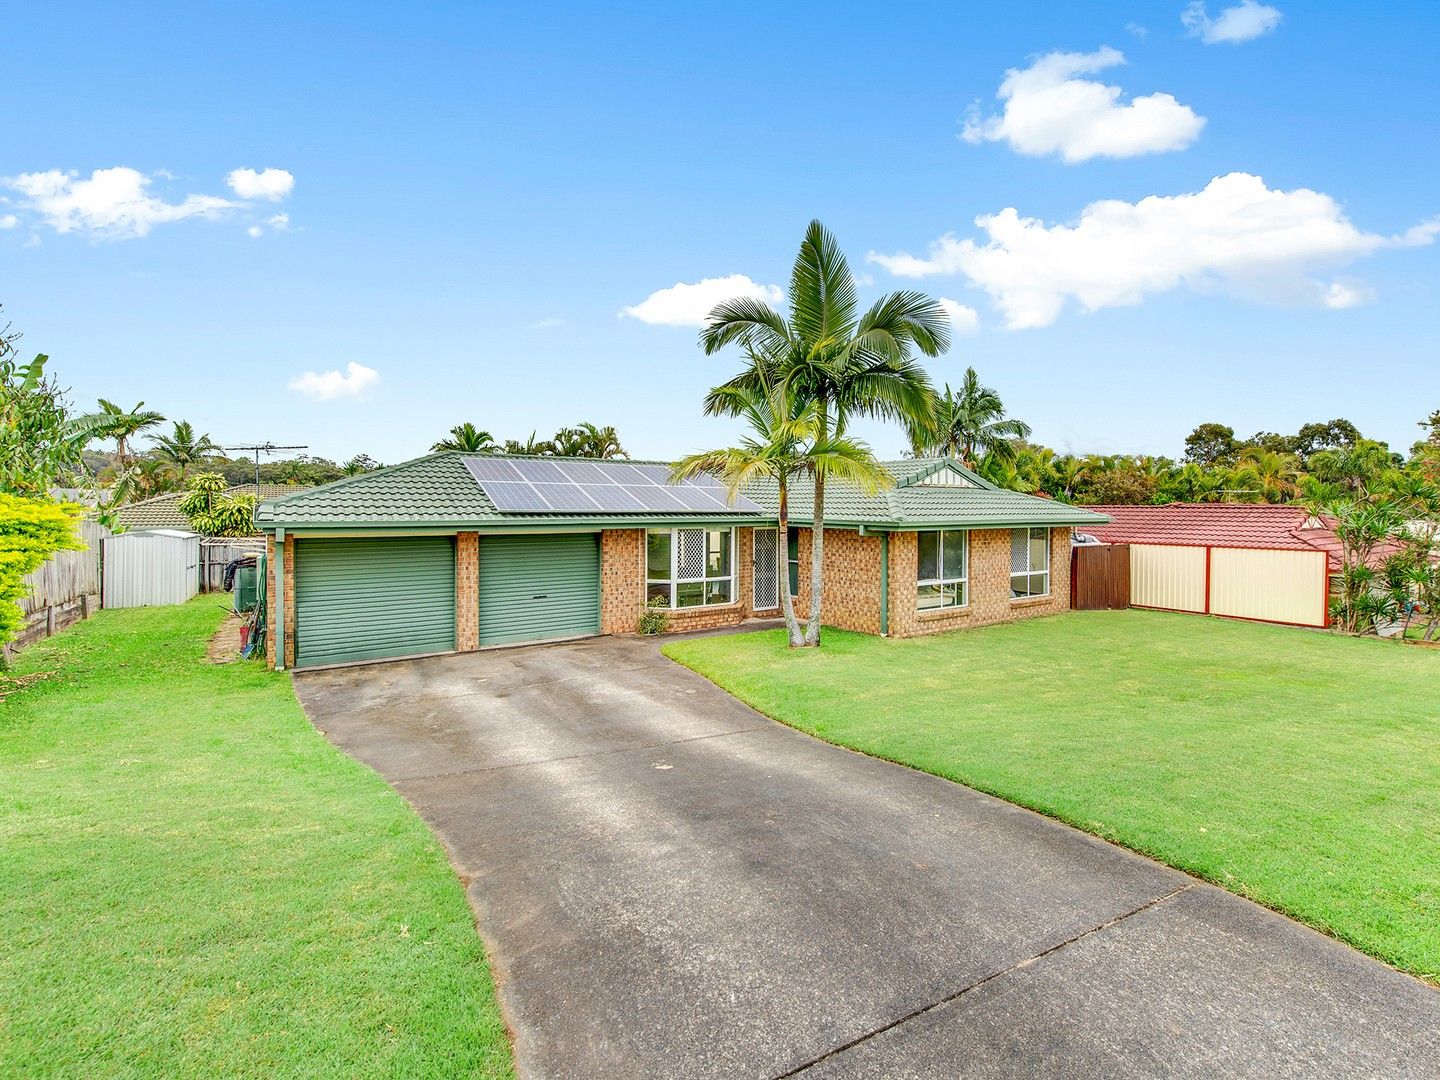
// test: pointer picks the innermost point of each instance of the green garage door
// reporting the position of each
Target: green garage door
(533, 588)
(372, 599)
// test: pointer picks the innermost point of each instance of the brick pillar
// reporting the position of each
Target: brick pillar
(622, 580)
(289, 600)
(270, 600)
(467, 591)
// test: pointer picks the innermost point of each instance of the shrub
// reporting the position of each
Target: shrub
(654, 617)
(31, 531)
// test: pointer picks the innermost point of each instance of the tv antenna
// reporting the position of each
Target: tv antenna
(262, 448)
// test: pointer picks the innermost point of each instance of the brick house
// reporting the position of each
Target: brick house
(458, 552)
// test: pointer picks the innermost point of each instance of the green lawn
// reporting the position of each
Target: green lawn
(1296, 768)
(194, 883)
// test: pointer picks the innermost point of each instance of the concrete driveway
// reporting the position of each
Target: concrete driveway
(672, 885)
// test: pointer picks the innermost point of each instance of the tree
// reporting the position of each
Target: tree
(358, 464)
(113, 422)
(1211, 444)
(782, 446)
(468, 438)
(184, 449)
(1123, 485)
(143, 478)
(1337, 434)
(1272, 476)
(31, 531)
(1356, 468)
(1067, 474)
(211, 512)
(1361, 525)
(834, 358)
(588, 441)
(532, 446)
(969, 424)
(39, 443)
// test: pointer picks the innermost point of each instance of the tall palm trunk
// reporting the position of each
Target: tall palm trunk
(793, 630)
(817, 538)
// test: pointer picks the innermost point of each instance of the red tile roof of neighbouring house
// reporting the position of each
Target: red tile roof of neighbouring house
(1235, 525)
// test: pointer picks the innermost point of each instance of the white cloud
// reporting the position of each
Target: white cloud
(1245, 21)
(963, 319)
(1236, 235)
(254, 231)
(330, 385)
(1346, 295)
(272, 184)
(8, 221)
(280, 222)
(1048, 110)
(546, 324)
(685, 304)
(112, 204)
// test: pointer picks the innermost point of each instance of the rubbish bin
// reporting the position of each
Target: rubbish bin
(246, 577)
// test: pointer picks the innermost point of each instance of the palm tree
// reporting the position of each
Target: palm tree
(113, 422)
(833, 357)
(970, 424)
(587, 440)
(184, 449)
(1273, 476)
(468, 438)
(532, 446)
(144, 478)
(1068, 474)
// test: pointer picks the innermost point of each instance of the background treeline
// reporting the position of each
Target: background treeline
(1320, 462)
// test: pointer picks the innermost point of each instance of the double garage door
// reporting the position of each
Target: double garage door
(373, 599)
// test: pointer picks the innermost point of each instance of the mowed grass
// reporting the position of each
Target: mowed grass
(194, 883)
(1299, 769)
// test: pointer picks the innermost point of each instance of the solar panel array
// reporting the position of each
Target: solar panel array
(592, 487)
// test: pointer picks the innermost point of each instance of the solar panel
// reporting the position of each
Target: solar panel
(491, 469)
(514, 496)
(591, 487)
(586, 472)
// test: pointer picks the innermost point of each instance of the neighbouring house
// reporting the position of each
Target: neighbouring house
(1241, 560)
(163, 511)
(457, 552)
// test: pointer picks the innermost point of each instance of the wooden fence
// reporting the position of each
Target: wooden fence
(65, 590)
(1100, 577)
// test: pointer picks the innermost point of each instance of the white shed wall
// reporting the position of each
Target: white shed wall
(150, 569)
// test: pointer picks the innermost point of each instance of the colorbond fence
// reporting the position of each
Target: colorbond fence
(1260, 584)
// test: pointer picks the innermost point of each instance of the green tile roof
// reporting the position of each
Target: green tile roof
(438, 491)
(163, 511)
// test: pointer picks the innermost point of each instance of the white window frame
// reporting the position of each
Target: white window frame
(1029, 571)
(963, 581)
(674, 581)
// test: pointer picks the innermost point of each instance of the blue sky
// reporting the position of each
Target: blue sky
(474, 197)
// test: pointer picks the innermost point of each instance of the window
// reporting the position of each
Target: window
(690, 567)
(1029, 563)
(944, 570)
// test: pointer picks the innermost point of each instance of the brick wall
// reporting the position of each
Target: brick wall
(989, 584)
(289, 600)
(467, 591)
(622, 586)
(852, 580)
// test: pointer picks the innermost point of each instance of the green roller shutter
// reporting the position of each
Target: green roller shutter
(533, 588)
(362, 599)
